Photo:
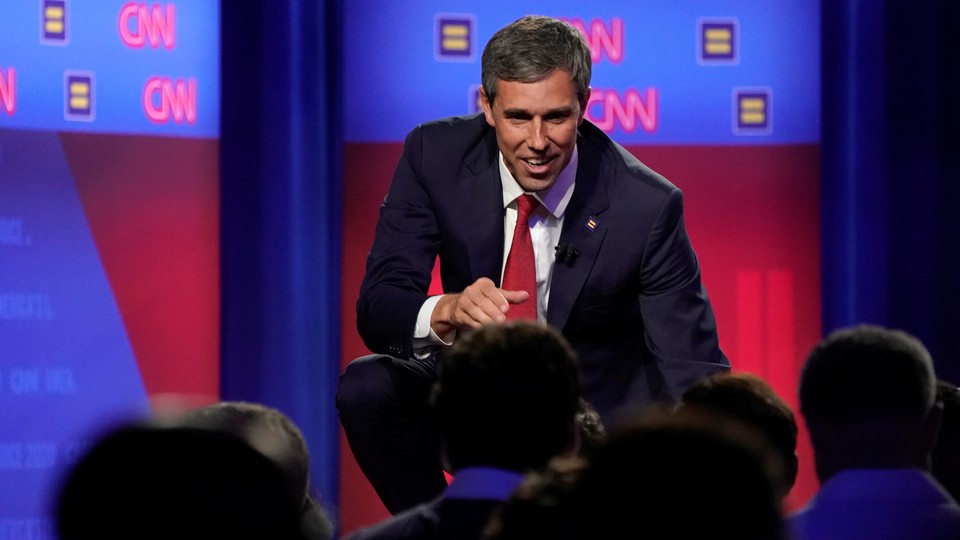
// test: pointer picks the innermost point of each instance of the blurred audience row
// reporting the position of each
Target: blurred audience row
(233, 470)
(530, 459)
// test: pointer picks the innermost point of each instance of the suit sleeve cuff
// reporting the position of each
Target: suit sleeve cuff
(423, 334)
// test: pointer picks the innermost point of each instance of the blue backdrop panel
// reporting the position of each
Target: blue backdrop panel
(67, 363)
(143, 61)
(694, 57)
(67, 369)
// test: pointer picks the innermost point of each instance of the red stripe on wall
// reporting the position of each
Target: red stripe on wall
(748, 353)
(781, 356)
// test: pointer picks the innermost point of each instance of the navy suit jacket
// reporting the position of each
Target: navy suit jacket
(631, 301)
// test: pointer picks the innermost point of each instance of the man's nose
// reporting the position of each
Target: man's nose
(537, 138)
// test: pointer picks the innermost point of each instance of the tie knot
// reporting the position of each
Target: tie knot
(526, 204)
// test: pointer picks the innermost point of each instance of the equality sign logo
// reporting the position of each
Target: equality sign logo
(53, 22)
(718, 41)
(455, 36)
(752, 111)
(78, 96)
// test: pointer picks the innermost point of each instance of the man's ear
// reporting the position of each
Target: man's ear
(487, 106)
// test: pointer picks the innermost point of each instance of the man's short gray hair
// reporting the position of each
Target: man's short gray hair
(530, 49)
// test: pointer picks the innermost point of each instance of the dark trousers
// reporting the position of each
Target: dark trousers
(383, 404)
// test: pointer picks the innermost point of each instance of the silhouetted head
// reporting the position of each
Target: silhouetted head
(686, 474)
(506, 396)
(946, 453)
(541, 507)
(170, 482)
(867, 394)
(265, 428)
(747, 397)
(275, 435)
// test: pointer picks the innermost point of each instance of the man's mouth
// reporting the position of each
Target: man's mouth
(538, 164)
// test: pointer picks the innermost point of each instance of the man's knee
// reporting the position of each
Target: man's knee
(364, 383)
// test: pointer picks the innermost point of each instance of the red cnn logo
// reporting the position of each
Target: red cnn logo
(601, 39)
(165, 99)
(140, 24)
(8, 91)
(608, 110)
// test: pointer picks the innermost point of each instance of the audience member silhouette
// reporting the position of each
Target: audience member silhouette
(749, 398)
(540, 508)
(277, 437)
(590, 429)
(151, 482)
(689, 474)
(868, 396)
(505, 402)
(946, 453)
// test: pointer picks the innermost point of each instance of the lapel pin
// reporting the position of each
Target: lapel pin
(591, 224)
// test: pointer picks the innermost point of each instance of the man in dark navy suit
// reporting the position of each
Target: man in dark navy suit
(615, 271)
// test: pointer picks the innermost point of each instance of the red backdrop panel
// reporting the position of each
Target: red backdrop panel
(154, 215)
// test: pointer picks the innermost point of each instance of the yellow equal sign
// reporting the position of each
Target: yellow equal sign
(753, 110)
(53, 19)
(79, 95)
(718, 41)
(455, 37)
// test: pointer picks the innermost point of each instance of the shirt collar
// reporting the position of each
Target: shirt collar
(483, 483)
(554, 198)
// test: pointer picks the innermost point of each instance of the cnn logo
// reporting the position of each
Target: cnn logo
(166, 100)
(141, 24)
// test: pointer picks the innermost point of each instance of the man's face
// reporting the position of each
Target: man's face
(536, 125)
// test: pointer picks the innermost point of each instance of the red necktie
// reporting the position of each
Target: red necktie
(520, 272)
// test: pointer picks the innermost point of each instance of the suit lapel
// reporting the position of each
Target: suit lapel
(583, 229)
(482, 209)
